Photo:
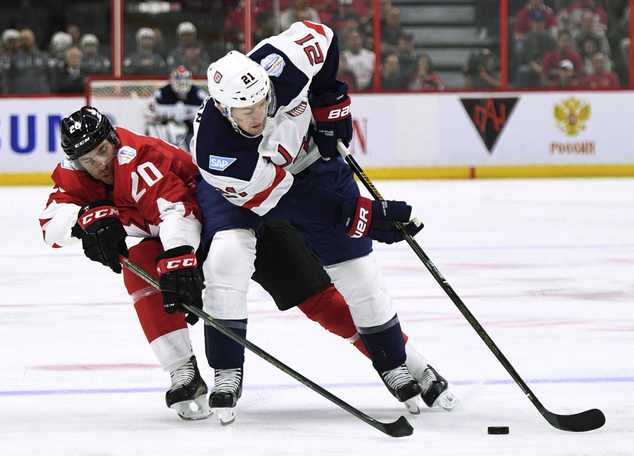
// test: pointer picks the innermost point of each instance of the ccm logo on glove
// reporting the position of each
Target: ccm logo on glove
(97, 213)
(171, 264)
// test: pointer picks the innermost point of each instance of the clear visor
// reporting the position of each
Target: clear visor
(98, 158)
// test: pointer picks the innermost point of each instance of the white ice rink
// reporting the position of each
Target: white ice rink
(547, 267)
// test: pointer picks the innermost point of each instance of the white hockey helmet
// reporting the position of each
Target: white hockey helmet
(60, 42)
(88, 39)
(236, 81)
(144, 32)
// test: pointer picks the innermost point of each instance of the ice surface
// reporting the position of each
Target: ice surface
(546, 266)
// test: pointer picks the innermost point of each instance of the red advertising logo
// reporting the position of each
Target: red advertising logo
(489, 115)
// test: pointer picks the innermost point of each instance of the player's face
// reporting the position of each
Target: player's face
(252, 119)
(99, 162)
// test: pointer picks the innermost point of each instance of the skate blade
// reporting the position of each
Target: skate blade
(446, 400)
(227, 415)
(198, 409)
(413, 405)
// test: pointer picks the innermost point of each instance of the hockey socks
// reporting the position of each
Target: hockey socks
(385, 344)
(223, 352)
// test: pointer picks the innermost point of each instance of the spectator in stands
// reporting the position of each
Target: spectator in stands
(360, 60)
(159, 43)
(298, 11)
(59, 45)
(407, 54)
(424, 78)
(535, 45)
(391, 75)
(570, 16)
(186, 34)
(480, 71)
(524, 19)
(264, 26)
(352, 22)
(344, 74)
(29, 71)
(144, 61)
(391, 32)
(565, 76)
(587, 30)
(11, 43)
(564, 50)
(93, 62)
(589, 47)
(600, 77)
(68, 77)
(75, 33)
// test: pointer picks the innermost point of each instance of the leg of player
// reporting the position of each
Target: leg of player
(168, 336)
(330, 310)
(283, 258)
(360, 282)
(227, 270)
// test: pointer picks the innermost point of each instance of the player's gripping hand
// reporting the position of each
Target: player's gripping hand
(101, 232)
(179, 279)
(364, 217)
(333, 120)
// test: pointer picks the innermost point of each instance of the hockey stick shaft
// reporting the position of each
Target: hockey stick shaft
(398, 428)
(585, 421)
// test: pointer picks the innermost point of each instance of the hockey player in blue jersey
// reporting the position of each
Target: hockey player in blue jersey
(266, 139)
(173, 107)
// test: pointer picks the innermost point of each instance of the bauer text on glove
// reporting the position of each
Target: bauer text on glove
(364, 217)
(333, 120)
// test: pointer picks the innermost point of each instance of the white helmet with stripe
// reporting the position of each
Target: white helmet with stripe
(236, 81)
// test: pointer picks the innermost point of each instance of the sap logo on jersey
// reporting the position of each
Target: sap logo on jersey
(220, 163)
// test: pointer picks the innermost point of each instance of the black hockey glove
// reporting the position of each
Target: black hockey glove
(101, 232)
(364, 217)
(333, 120)
(179, 280)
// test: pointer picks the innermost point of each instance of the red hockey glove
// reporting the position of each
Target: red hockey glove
(102, 234)
(364, 217)
(179, 279)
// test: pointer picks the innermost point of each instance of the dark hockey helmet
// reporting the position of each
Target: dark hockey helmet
(84, 130)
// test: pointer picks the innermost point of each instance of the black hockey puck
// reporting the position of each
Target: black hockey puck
(498, 430)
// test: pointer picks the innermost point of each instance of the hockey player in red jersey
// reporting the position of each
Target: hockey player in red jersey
(266, 139)
(116, 183)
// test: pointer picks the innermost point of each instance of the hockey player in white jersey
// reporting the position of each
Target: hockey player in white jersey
(266, 139)
(171, 112)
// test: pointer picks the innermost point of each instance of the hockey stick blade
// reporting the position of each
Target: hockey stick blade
(579, 422)
(399, 428)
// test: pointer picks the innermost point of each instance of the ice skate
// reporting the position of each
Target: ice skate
(436, 390)
(227, 390)
(403, 387)
(188, 393)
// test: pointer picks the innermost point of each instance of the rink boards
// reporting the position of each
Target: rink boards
(399, 135)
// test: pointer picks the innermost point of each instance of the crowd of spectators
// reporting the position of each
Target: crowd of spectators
(546, 37)
(557, 44)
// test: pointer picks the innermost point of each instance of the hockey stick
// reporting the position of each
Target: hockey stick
(399, 428)
(579, 422)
